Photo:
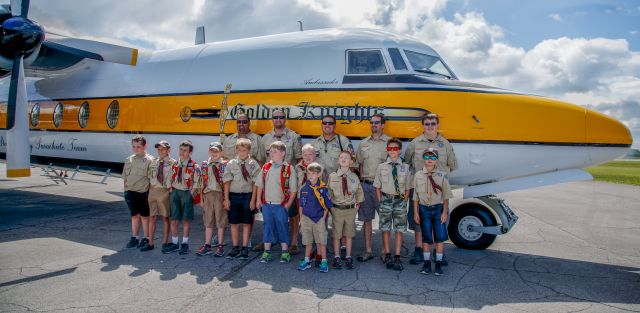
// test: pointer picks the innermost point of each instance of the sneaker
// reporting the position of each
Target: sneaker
(219, 251)
(133, 242)
(426, 268)
(285, 257)
(337, 263)
(235, 252)
(397, 264)
(418, 257)
(184, 249)
(204, 250)
(303, 265)
(143, 242)
(265, 257)
(438, 270)
(244, 253)
(164, 245)
(294, 250)
(349, 263)
(324, 266)
(147, 247)
(388, 262)
(171, 247)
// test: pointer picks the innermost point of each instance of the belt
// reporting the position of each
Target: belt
(344, 207)
(240, 193)
(393, 196)
(273, 203)
(432, 207)
(368, 181)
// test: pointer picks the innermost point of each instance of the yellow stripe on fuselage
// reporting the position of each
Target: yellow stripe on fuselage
(464, 116)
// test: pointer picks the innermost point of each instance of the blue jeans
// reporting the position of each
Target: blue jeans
(276, 224)
(431, 225)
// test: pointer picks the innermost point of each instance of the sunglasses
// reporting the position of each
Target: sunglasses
(393, 148)
(430, 124)
(430, 157)
(243, 122)
(375, 122)
(279, 117)
(328, 123)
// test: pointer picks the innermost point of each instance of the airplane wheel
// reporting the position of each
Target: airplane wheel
(465, 216)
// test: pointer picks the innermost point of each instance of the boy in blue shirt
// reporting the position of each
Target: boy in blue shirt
(313, 210)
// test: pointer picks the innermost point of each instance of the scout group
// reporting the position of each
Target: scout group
(296, 188)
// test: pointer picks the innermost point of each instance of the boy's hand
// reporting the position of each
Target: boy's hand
(444, 216)
(416, 218)
(226, 204)
(255, 205)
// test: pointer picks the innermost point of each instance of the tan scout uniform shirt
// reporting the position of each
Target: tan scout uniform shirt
(186, 176)
(371, 153)
(446, 158)
(136, 173)
(301, 173)
(354, 193)
(291, 139)
(273, 191)
(233, 174)
(384, 178)
(327, 152)
(166, 171)
(424, 190)
(212, 183)
(257, 151)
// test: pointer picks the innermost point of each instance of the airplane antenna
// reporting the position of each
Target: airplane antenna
(200, 35)
(300, 22)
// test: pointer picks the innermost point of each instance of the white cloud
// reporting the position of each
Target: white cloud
(556, 17)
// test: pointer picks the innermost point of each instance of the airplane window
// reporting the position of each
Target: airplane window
(57, 115)
(396, 58)
(35, 115)
(366, 62)
(113, 112)
(83, 114)
(428, 64)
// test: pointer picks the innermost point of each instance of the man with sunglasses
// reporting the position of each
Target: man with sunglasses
(293, 143)
(429, 139)
(372, 151)
(243, 123)
(329, 145)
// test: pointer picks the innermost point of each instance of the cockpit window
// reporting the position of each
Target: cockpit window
(365, 62)
(396, 58)
(428, 64)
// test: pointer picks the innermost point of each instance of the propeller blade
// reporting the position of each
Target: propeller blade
(24, 8)
(95, 50)
(18, 147)
(17, 7)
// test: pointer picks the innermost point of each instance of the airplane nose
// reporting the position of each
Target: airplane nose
(606, 132)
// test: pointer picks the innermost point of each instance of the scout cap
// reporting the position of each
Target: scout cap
(430, 151)
(163, 143)
(215, 145)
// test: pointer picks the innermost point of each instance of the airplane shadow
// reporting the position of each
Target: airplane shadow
(473, 279)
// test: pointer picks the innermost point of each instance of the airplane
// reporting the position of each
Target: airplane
(86, 99)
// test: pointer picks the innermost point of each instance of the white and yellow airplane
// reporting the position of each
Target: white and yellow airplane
(86, 99)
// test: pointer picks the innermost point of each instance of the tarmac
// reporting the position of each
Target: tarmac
(575, 248)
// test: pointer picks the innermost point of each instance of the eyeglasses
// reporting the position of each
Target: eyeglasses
(243, 122)
(279, 117)
(430, 157)
(375, 122)
(430, 124)
(328, 123)
(393, 148)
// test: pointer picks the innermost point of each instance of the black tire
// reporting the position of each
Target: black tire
(472, 210)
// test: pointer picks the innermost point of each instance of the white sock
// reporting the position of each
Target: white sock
(185, 239)
(306, 259)
(174, 240)
(427, 256)
(438, 256)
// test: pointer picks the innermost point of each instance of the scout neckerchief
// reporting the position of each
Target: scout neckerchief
(160, 174)
(177, 171)
(243, 169)
(316, 192)
(435, 187)
(396, 184)
(345, 185)
(216, 172)
(285, 173)
(304, 170)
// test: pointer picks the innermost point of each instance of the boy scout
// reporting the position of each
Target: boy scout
(136, 190)
(276, 192)
(314, 208)
(244, 131)
(346, 194)
(211, 185)
(308, 157)
(372, 151)
(184, 173)
(429, 139)
(329, 145)
(431, 208)
(239, 198)
(392, 183)
(159, 204)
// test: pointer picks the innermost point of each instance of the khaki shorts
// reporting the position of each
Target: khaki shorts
(159, 203)
(213, 212)
(344, 222)
(313, 232)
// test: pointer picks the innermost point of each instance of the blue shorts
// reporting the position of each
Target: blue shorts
(239, 211)
(431, 225)
(276, 224)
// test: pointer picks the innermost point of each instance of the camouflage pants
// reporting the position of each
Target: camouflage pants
(393, 214)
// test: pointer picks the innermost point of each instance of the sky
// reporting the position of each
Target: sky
(584, 52)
